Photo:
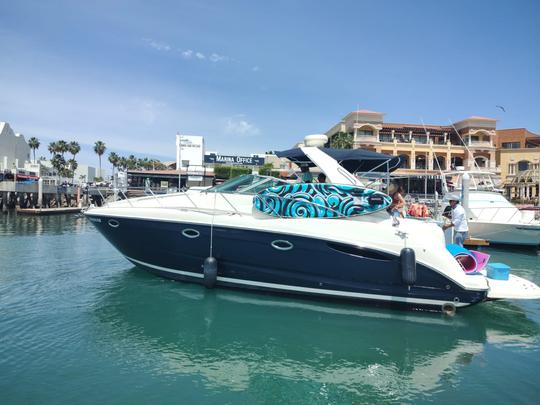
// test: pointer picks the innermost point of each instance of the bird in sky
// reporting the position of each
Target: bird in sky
(501, 107)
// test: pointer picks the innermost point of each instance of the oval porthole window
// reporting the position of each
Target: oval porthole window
(191, 233)
(282, 245)
(113, 223)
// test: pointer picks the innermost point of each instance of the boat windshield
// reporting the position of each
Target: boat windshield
(480, 181)
(247, 184)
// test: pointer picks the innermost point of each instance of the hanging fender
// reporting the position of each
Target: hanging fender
(210, 269)
(408, 266)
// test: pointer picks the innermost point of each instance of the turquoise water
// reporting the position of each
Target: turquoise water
(79, 324)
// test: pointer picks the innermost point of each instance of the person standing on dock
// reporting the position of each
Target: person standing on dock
(459, 221)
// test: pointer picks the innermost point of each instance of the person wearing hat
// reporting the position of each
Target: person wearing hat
(458, 221)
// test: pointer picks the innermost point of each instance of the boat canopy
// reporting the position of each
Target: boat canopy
(353, 160)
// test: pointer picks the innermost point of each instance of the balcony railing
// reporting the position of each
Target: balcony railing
(480, 143)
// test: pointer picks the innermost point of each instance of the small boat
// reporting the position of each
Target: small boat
(337, 240)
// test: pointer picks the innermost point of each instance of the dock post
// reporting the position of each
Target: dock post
(78, 196)
(40, 192)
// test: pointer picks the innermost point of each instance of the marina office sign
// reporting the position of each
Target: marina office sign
(234, 160)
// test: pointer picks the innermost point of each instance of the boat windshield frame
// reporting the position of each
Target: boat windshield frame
(246, 184)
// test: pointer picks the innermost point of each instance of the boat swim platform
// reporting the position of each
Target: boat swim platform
(475, 242)
(48, 211)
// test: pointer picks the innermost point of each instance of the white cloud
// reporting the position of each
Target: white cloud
(215, 57)
(187, 54)
(145, 110)
(158, 46)
(238, 125)
(255, 69)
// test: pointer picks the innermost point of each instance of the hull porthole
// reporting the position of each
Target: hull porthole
(448, 309)
(113, 223)
(191, 233)
(210, 272)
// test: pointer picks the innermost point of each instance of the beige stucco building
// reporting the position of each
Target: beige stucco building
(425, 147)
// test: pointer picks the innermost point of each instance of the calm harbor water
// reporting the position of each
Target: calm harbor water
(80, 324)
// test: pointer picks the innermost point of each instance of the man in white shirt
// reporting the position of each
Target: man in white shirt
(459, 222)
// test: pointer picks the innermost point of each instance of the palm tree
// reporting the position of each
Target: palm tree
(72, 166)
(123, 163)
(113, 159)
(132, 162)
(74, 148)
(58, 162)
(33, 143)
(100, 148)
(61, 147)
(52, 148)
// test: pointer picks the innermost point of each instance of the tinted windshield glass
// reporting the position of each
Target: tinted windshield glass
(247, 183)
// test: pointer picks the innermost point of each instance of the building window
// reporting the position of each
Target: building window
(511, 168)
(523, 165)
(481, 161)
(510, 145)
(404, 162)
(365, 132)
(421, 162)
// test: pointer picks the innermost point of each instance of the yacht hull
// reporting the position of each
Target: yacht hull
(505, 233)
(278, 262)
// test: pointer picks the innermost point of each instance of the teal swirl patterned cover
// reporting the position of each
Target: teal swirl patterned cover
(320, 201)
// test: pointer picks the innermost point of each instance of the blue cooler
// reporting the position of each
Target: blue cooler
(498, 271)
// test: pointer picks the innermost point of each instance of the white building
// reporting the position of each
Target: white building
(84, 173)
(14, 151)
(189, 151)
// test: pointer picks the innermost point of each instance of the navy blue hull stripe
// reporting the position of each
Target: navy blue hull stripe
(307, 290)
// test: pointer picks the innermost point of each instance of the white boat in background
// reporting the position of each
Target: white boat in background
(491, 216)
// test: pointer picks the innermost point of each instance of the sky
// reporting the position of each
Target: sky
(252, 76)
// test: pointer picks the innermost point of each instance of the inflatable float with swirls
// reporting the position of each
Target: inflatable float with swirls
(316, 200)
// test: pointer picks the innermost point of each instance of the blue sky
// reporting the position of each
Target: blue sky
(253, 76)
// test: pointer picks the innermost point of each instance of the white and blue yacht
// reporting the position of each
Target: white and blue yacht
(331, 240)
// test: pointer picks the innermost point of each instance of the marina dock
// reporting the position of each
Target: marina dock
(48, 211)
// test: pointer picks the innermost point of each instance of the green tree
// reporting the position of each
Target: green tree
(132, 162)
(59, 164)
(266, 169)
(52, 148)
(113, 159)
(99, 149)
(33, 143)
(71, 167)
(74, 148)
(342, 140)
(62, 147)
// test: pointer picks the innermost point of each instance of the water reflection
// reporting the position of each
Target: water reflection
(232, 338)
(30, 225)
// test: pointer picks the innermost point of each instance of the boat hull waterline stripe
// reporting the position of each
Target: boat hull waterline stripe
(320, 291)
